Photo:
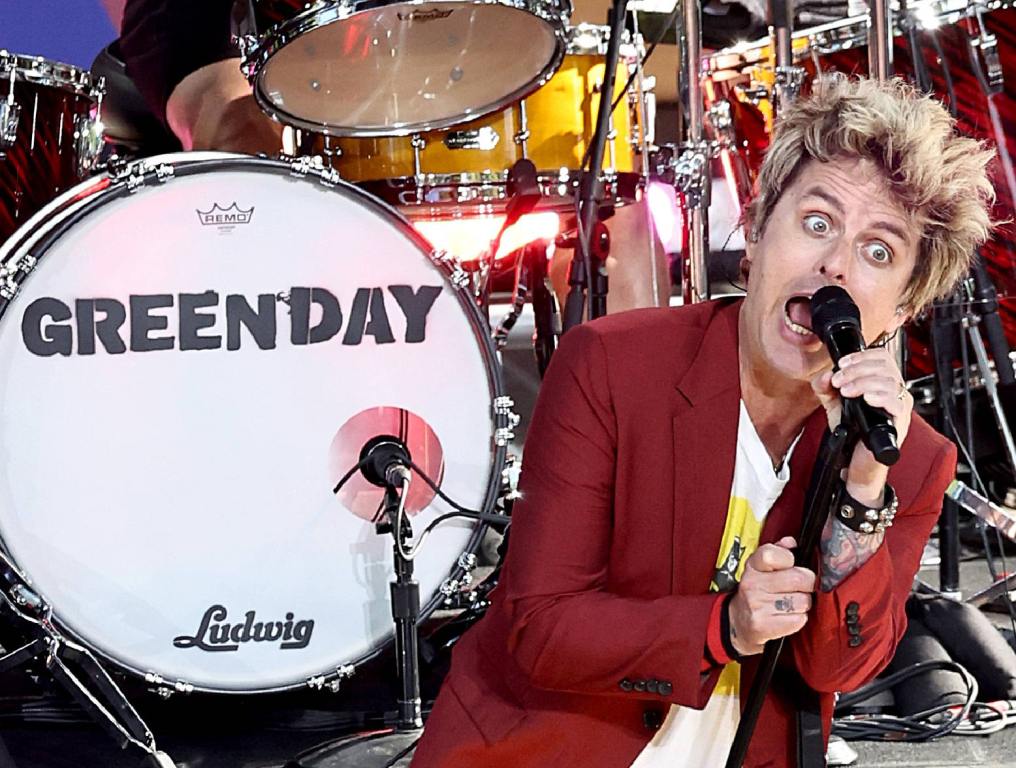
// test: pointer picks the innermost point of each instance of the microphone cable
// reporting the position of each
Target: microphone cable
(932, 723)
(458, 511)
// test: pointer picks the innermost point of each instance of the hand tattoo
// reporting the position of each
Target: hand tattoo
(785, 604)
(844, 551)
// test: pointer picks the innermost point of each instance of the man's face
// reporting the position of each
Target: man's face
(836, 224)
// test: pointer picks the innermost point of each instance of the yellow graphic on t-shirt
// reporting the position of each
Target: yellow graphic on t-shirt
(740, 538)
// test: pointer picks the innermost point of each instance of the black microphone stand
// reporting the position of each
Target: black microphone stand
(405, 594)
(589, 266)
(834, 455)
(387, 747)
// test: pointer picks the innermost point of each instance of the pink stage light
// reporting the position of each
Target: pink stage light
(731, 178)
(666, 215)
(468, 238)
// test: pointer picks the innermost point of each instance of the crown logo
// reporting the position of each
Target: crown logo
(219, 216)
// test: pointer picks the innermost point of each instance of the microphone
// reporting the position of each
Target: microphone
(523, 190)
(836, 320)
(385, 461)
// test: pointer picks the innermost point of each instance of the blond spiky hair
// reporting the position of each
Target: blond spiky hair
(939, 178)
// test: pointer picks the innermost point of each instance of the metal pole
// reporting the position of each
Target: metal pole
(880, 40)
(780, 31)
(789, 78)
(695, 286)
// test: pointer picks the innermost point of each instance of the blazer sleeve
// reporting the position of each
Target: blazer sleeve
(568, 631)
(833, 654)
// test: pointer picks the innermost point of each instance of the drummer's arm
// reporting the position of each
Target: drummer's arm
(212, 108)
(181, 56)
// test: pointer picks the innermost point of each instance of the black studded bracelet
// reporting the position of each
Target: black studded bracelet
(862, 518)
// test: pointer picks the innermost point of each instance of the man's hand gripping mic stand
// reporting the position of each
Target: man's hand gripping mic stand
(834, 455)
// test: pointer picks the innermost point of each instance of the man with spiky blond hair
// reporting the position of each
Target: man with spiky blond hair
(666, 470)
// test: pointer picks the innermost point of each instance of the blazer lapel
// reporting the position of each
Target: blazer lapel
(705, 442)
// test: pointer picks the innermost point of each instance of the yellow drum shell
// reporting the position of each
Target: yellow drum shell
(560, 117)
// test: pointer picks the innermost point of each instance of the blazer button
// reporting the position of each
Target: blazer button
(640, 686)
(626, 685)
(652, 719)
(854, 641)
(852, 608)
(653, 686)
(665, 688)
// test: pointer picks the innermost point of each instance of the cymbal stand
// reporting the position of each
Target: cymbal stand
(880, 40)
(588, 272)
(691, 170)
(73, 666)
(789, 78)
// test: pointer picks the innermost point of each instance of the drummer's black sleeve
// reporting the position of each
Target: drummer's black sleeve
(163, 41)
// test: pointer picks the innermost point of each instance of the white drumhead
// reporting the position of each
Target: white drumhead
(407, 66)
(155, 491)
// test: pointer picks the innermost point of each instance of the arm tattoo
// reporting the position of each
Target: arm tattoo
(844, 551)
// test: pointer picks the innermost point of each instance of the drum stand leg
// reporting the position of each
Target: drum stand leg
(78, 671)
(546, 314)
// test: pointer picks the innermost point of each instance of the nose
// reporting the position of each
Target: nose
(834, 263)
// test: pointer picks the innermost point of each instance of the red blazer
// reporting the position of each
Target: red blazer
(626, 481)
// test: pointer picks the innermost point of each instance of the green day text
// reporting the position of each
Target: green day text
(211, 320)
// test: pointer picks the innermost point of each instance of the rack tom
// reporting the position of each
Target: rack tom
(379, 67)
(469, 164)
(49, 133)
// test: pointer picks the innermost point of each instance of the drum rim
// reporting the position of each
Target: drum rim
(480, 183)
(65, 77)
(258, 50)
(18, 261)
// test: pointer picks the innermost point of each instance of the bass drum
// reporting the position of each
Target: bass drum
(194, 353)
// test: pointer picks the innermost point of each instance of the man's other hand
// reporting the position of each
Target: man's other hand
(772, 599)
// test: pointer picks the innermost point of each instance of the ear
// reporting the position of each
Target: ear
(900, 318)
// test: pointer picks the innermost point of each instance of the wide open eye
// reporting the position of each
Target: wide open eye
(817, 224)
(879, 252)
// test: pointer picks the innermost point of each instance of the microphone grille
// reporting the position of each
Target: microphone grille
(832, 306)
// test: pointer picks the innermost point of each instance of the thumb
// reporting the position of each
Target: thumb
(822, 386)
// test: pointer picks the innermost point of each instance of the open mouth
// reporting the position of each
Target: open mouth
(797, 315)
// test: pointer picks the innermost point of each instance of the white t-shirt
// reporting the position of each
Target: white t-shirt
(697, 738)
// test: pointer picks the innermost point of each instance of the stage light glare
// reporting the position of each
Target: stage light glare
(468, 238)
(666, 216)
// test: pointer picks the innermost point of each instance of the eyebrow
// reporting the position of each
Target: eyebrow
(832, 200)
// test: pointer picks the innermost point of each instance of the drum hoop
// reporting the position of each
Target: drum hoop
(38, 70)
(273, 40)
(490, 188)
(17, 266)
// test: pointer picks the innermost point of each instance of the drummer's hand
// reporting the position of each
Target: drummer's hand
(772, 599)
(873, 375)
(213, 108)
